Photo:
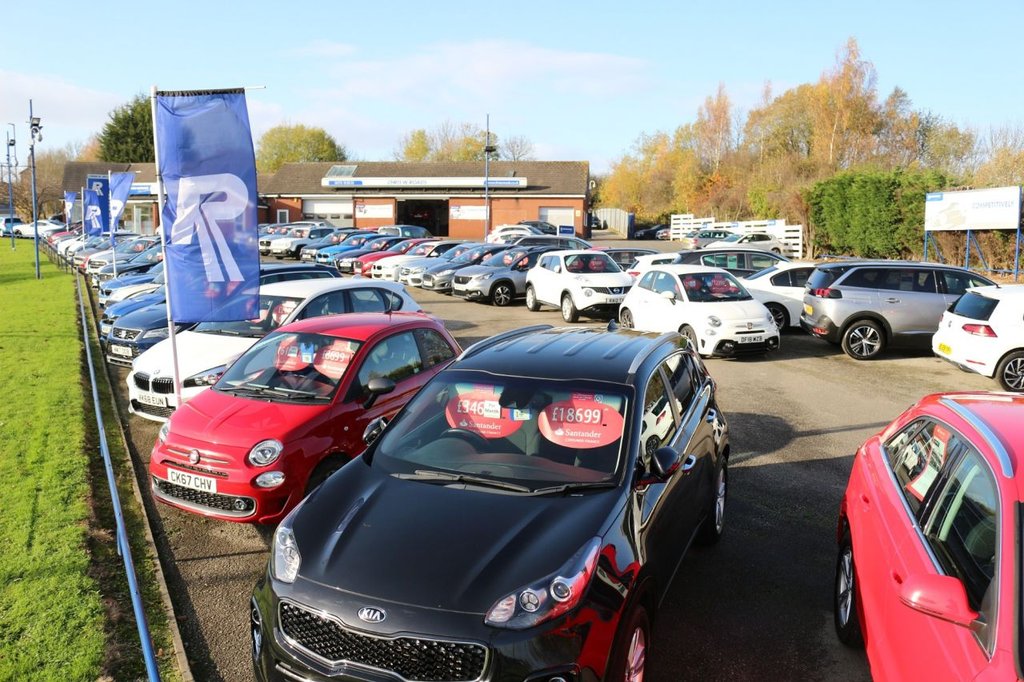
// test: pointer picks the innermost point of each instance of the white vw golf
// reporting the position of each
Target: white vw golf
(207, 349)
(706, 305)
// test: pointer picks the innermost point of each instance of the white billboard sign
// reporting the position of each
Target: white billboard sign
(457, 212)
(997, 208)
(491, 182)
(374, 210)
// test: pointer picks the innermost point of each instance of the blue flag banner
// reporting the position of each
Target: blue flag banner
(69, 205)
(100, 186)
(120, 188)
(92, 216)
(208, 167)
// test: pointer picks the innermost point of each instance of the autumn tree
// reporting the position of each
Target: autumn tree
(49, 181)
(128, 136)
(714, 129)
(296, 143)
(844, 110)
(516, 148)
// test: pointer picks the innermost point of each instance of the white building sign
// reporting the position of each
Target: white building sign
(456, 212)
(374, 210)
(997, 208)
(493, 182)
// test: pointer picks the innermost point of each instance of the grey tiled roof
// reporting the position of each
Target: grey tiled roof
(76, 171)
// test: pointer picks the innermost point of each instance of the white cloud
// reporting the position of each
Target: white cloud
(69, 112)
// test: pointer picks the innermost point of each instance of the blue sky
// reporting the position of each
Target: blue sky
(580, 80)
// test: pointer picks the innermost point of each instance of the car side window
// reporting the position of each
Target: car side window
(867, 278)
(659, 424)
(647, 281)
(396, 357)
(331, 303)
(433, 348)
(956, 283)
(963, 534)
(366, 301)
(799, 276)
(665, 282)
(683, 379)
(916, 456)
(759, 262)
(723, 260)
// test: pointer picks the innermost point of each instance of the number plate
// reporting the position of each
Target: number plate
(809, 309)
(945, 349)
(615, 299)
(123, 351)
(189, 480)
(751, 339)
(154, 400)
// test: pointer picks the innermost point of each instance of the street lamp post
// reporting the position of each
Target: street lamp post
(10, 182)
(36, 135)
(488, 150)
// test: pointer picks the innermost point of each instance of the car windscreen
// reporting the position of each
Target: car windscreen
(290, 367)
(421, 250)
(712, 287)
(527, 431)
(974, 306)
(505, 259)
(589, 263)
(402, 246)
(471, 255)
(771, 269)
(273, 312)
(148, 256)
(822, 278)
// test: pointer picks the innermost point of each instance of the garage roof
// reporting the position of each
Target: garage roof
(561, 178)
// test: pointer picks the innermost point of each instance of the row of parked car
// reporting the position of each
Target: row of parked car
(481, 439)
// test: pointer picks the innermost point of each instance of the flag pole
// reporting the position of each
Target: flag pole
(163, 248)
(110, 224)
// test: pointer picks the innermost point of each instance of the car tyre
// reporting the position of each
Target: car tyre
(714, 523)
(629, 657)
(779, 314)
(777, 252)
(1010, 372)
(844, 597)
(531, 299)
(503, 294)
(323, 471)
(690, 335)
(569, 311)
(864, 340)
(626, 318)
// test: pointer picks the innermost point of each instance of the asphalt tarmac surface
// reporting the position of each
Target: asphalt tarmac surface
(758, 606)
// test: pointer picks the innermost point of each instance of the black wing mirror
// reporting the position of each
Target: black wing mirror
(374, 429)
(377, 386)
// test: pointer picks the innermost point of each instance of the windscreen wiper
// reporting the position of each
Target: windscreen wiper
(447, 476)
(570, 487)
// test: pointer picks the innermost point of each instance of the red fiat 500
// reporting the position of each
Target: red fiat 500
(291, 411)
(929, 573)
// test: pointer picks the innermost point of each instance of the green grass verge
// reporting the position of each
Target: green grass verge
(64, 607)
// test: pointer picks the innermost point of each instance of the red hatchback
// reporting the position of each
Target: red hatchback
(929, 574)
(292, 410)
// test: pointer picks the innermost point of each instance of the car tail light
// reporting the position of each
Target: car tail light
(827, 293)
(633, 273)
(980, 330)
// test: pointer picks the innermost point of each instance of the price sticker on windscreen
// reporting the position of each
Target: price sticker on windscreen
(581, 421)
(477, 409)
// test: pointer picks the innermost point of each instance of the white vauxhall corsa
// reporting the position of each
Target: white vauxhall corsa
(781, 289)
(577, 282)
(983, 332)
(209, 348)
(706, 305)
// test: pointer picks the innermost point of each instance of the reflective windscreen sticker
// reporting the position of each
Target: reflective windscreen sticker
(582, 421)
(476, 408)
(289, 357)
(333, 360)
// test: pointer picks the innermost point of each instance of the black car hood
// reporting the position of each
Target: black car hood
(150, 317)
(439, 545)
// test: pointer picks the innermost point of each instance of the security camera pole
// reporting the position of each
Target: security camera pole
(10, 183)
(36, 135)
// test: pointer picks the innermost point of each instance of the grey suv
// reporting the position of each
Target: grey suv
(868, 305)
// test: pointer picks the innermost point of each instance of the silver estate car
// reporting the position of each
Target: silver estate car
(868, 305)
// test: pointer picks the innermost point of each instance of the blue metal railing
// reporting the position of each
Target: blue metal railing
(122, 535)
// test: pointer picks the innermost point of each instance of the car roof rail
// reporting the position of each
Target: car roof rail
(498, 338)
(646, 353)
(994, 441)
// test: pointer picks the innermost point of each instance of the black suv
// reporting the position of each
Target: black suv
(520, 519)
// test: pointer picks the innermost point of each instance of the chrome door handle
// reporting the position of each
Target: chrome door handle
(689, 463)
(711, 416)
(892, 300)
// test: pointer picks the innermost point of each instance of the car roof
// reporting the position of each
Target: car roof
(266, 268)
(874, 263)
(1001, 292)
(304, 288)
(563, 353)
(577, 252)
(996, 416)
(360, 326)
(689, 269)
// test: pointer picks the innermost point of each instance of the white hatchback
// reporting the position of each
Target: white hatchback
(983, 332)
(781, 289)
(706, 305)
(577, 282)
(751, 240)
(206, 351)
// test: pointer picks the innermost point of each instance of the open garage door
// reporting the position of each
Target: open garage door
(557, 215)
